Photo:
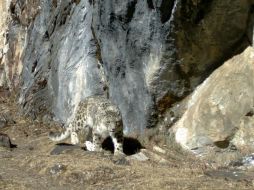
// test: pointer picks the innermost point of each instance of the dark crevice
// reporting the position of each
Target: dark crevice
(150, 4)
(195, 13)
(203, 9)
(54, 3)
(46, 36)
(34, 66)
(249, 31)
(84, 17)
(52, 26)
(42, 83)
(76, 1)
(130, 10)
(65, 14)
(12, 7)
(112, 17)
(90, 2)
(235, 49)
(166, 10)
(200, 15)
(167, 101)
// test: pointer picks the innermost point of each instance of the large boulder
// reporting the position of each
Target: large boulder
(220, 111)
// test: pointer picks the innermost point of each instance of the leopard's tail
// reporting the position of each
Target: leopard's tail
(56, 136)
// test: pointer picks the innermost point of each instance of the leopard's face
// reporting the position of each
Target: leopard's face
(111, 123)
(107, 122)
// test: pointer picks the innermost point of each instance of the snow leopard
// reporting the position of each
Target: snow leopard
(98, 117)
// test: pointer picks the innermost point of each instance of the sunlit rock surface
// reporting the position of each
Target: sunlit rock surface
(220, 111)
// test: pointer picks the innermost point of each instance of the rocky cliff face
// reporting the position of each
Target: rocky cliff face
(146, 55)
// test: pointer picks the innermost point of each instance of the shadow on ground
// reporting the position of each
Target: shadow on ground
(130, 145)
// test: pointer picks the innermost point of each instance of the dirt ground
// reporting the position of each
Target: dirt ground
(38, 163)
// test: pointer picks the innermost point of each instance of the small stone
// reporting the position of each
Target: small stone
(121, 161)
(139, 157)
(3, 121)
(30, 148)
(5, 141)
(246, 162)
(75, 177)
(62, 148)
(57, 169)
(46, 119)
(159, 149)
(6, 119)
(2, 124)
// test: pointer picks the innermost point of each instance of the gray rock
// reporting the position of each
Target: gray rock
(57, 169)
(230, 174)
(121, 161)
(5, 141)
(2, 124)
(63, 148)
(5, 119)
(246, 162)
(139, 157)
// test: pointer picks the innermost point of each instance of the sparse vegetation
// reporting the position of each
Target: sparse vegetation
(31, 166)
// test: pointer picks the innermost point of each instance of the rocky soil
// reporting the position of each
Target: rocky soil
(34, 162)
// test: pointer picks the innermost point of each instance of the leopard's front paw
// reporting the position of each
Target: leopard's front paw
(89, 146)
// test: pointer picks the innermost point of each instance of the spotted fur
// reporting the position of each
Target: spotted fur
(99, 117)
